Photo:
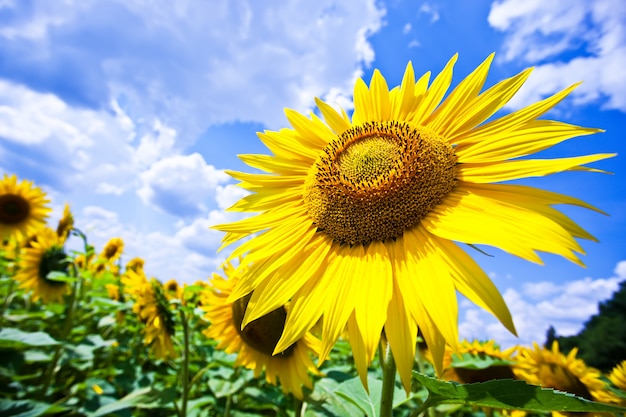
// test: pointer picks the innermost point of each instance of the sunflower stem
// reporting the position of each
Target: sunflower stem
(388, 366)
(185, 370)
(65, 332)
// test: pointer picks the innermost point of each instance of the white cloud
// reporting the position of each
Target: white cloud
(192, 64)
(431, 11)
(592, 33)
(541, 305)
(180, 185)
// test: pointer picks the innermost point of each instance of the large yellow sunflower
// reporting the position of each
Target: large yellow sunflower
(359, 216)
(255, 344)
(552, 369)
(23, 208)
(44, 254)
(152, 308)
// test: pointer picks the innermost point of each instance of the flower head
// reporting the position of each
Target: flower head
(113, 249)
(255, 343)
(44, 254)
(152, 308)
(359, 217)
(552, 369)
(66, 223)
(23, 208)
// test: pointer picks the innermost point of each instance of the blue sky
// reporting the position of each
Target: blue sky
(132, 110)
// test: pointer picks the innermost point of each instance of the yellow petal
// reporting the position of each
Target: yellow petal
(456, 105)
(380, 103)
(435, 93)
(403, 100)
(373, 291)
(472, 216)
(315, 134)
(530, 138)
(489, 172)
(336, 122)
(401, 332)
(471, 281)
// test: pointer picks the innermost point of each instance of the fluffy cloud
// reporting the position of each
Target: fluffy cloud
(591, 35)
(540, 305)
(190, 64)
(180, 185)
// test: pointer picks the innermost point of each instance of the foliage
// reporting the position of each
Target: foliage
(602, 341)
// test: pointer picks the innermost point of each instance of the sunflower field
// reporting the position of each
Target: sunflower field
(339, 297)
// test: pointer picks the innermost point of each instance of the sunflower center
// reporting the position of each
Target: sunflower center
(53, 260)
(13, 209)
(263, 333)
(378, 179)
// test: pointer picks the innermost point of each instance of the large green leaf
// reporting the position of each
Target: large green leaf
(27, 408)
(18, 339)
(507, 394)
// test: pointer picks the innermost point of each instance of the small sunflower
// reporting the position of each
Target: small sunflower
(552, 369)
(43, 255)
(255, 343)
(23, 208)
(135, 264)
(478, 362)
(113, 249)
(368, 209)
(152, 308)
(172, 290)
(66, 223)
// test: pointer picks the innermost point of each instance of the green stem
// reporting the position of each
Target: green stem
(67, 328)
(297, 406)
(388, 366)
(227, 409)
(185, 370)
(422, 368)
(7, 301)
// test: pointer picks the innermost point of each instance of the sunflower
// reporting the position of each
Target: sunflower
(172, 290)
(367, 210)
(254, 344)
(153, 310)
(135, 264)
(66, 223)
(23, 208)
(618, 378)
(113, 249)
(552, 369)
(43, 255)
(478, 362)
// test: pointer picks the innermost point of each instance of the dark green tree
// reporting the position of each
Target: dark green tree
(602, 341)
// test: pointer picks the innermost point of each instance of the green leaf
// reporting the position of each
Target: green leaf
(60, 277)
(141, 398)
(353, 391)
(507, 394)
(17, 339)
(27, 408)
(222, 388)
(469, 361)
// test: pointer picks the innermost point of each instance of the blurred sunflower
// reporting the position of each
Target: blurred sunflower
(43, 255)
(113, 249)
(172, 290)
(367, 210)
(66, 223)
(152, 308)
(135, 264)
(255, 343)
(552, 369)
(478, 362)
(618, 378)
(23, 208)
